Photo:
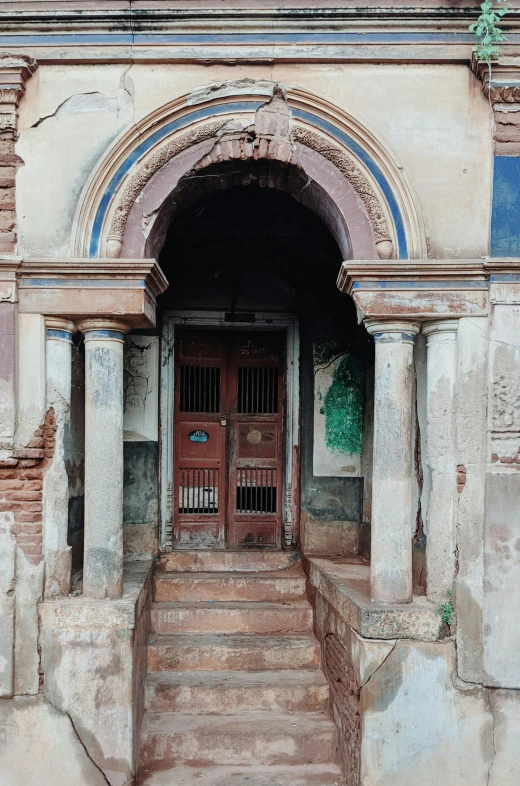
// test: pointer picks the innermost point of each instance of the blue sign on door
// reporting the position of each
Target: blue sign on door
(198, 436)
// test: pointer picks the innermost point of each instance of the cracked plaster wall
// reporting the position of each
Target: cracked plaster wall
(433, 118)
(36, 738)
(406, 719)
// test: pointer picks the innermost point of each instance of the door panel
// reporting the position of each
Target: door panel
(229, 440)
(255, 460)
(200, 443)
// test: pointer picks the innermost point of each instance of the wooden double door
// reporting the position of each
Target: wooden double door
(229, 396)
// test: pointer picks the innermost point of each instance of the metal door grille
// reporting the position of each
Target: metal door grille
(257, 390)
(256, 490)
(198, 490)
(200, 389)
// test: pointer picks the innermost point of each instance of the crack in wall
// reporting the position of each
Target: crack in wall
(78, 737)
(493, 742)
(382, 662)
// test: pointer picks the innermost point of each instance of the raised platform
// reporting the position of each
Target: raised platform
(345, 584)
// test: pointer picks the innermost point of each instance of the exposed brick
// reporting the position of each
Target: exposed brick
(7, 199)
(11, 484)
(31, 550)
(6, 146)
(30, 518)
(33, 485)
(29, 538)
(494, 457)
(10, 507)
(10, 159)
(7, 220)
(8, 175)
(31, 474)
(506, 460)
(30, 529)
(36, 442)
(23, 496)
(10, 462)
(8, 473)
(29, 453)
(28, 463)
(32, 507)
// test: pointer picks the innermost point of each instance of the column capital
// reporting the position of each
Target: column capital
(103, 329)
(60, 329)
(15, 70)
(444, 329)
(400, 332)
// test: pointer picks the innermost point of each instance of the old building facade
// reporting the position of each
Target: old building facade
(259, 394)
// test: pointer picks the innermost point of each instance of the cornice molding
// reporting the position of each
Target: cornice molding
(427, 289)
(15, 70)
(501, 86)
(91, 288)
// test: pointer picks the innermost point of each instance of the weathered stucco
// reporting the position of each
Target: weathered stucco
(452, 179)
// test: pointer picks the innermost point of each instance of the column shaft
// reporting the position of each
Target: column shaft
(56, 551)
(103, 555)
(392, 515)
(441, 338)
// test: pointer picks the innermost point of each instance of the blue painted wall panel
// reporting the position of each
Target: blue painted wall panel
(505, 217)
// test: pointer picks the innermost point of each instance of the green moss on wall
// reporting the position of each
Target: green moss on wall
(343, 407)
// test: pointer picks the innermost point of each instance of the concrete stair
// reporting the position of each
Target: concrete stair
(235, 693)
(210, 652)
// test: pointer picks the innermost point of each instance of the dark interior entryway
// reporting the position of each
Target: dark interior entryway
(229, 404)
(242, 249)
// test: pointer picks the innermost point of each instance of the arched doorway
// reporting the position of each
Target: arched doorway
(267, 363)
(276, 138)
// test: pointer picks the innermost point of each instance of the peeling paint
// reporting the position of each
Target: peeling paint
(343, 407)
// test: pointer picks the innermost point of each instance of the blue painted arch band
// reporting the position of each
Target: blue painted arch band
(245, 106)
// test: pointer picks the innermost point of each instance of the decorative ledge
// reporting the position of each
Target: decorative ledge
(80, 611)
(423, 289)
(82, 288)
(345, 584)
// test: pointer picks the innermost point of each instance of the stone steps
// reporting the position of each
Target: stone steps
(220, 617)
(206, 652)
(265, 738)
(271, 587)
(224, 561)
(234, 692)
(256, 775)
(230, 692)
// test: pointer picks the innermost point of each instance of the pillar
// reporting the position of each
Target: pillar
(58, 364)
(392, 514)
(441, 343)
(103, 553)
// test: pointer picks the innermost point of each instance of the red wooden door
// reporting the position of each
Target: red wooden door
(228, 440)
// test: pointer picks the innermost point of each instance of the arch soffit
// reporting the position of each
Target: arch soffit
(305, 121)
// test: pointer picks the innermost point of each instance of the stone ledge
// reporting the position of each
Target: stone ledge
(89, 612)
(345, 584)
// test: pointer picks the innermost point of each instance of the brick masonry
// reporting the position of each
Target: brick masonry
(345, 703)
(21, 488)
(9, 163)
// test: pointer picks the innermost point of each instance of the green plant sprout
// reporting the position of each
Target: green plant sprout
(446, 610)
(487, 32)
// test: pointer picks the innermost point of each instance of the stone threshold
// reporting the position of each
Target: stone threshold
(345, 585)
(79, 611)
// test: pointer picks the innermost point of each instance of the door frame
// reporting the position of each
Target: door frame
(264, 321)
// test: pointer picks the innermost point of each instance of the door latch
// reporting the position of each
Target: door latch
(223, 421)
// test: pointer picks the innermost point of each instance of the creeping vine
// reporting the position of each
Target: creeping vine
(488, 34)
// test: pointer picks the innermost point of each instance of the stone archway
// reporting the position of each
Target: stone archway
(351, 180)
